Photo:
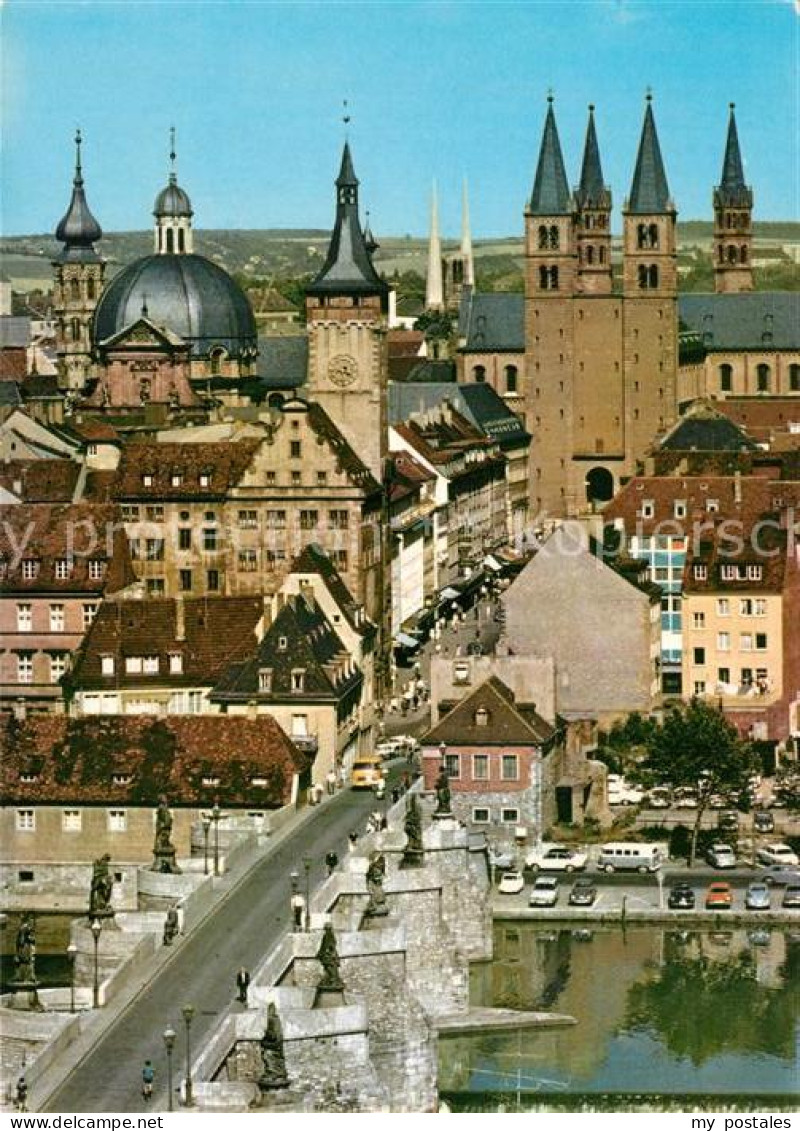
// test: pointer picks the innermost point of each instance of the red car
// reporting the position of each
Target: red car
(719, 897)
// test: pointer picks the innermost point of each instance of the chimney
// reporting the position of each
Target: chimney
(737, 488)
(252, 709)
(180, 619)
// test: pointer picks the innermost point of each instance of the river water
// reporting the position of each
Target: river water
(660, 1013)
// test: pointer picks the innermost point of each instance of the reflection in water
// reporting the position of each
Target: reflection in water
(657, 1012)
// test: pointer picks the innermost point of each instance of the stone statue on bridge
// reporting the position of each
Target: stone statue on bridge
(102, 887)
(376, 873)
(413, 853)
(328, 956)
(163, 848)
(443, 807)
(273, 1073)
(25, 956)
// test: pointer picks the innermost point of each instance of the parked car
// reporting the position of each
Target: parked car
(583, 893)
(782, 875)
(719, 897)
(629, 856)
(757, 897)
(776, 854)
(502, 859)
(557, 858)
(685, 798)
(721, 856)
(763, 822)
(791, 897)
(511, 883)
(621, 792)
(681, 897)
(659, 798)
(728, 822)
(544, 892)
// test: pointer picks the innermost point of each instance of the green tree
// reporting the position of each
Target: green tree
(697, 748)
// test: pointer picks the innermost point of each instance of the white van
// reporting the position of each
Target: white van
(629, 856)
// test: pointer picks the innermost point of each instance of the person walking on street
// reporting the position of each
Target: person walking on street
(342, 777)
(330, 780)
(331, 861)
(22, 1094)
(298, 909)
(148, 1076)
(353, 838)
(242, 984)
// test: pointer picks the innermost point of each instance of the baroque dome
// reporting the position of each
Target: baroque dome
(187, 294)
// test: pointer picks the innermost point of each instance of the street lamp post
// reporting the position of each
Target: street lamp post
(72, 951)
(169, 1045)
(188, 1014)
(206, 829)
(307, 866)
(96, 928)
(215, 817)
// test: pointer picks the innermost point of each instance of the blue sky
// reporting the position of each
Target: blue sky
(437, 89)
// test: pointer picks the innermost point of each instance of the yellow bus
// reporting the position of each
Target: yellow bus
(366, 771)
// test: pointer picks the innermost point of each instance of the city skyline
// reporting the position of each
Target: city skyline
(427, 86)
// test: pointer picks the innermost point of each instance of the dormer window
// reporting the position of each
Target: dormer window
(298, 679)
(700, 572)
(755, 572)
(28, 777)
(210, 782)
(175, 479)
(106, 665)
(147, 479)
(205, 478)
(712, 505)
(481, 717)
(120, 779)
(97, 568)
(283, 643)
(63, 568)
(175, 663)
(258, 783)
(265, 679)
(679, 508)
(30, 568)
(648, 508)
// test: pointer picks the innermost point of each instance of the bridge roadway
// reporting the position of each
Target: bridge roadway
(240, 931)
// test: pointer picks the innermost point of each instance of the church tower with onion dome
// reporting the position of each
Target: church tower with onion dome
(78, 274)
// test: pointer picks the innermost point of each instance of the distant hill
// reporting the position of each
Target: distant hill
(275, 254)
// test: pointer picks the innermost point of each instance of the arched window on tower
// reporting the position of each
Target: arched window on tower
(181, 240)
(542, 237)
(794, 378)
(601, 254)
(652, 277)
(479, 373)
(74, 289)
(75, 327)
(652, 235)
(726, 378)
(599, 485)
(742, 254)
(511, 378)
(590, 254)
(216, 358)
(641, 235)
(90, 290)
(721, 253)
(642, 275)
(762, 378)
(554, 236)
(170, 241)
(732, 256)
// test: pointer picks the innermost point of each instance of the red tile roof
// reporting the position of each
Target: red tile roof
(40, 480)
(13, 364)
(508, 722)
(224, 463)
(216, 632)
(73, 760)
(46, 534)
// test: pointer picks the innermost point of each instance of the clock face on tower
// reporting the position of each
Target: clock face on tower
(342, 369)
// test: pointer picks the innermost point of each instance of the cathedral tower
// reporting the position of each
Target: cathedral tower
(650, 293)
(733, 234)
(78, 273)
(434, 284)
(346, 307)
(173, 214)
(593, 220)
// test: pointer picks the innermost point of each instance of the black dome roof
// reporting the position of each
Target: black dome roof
(187, 294)
(172, 200)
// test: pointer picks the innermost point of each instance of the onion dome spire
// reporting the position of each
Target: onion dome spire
(732, 192)
(649, 190)
(550, 196)
(78, 230)
(172, 200)
(592, 192)
(348, 268)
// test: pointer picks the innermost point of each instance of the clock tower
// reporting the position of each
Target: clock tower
(346, 309)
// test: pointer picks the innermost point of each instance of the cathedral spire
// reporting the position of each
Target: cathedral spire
(348, 268)
(466, 239)
(434, 285)
(550, 196)
(649, 191)
(732, 191)
(78, 230)
(591, 191)
(173, 213)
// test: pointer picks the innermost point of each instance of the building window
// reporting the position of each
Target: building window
(296, 478)
(679, 508)
(155, 587)
(338, 520)
(510, 767)
(698, 619)
(648, 508)
(276, 520)
(299, 726)
(309, 520)
(147, 479)
(205, 479)
(24, 667)
(295, 449)
(723, 675)
(150, 665)
(762, 378)
(761, 641)
(265, 679)
(480, 767)
(58, 666)
(212, 580)
(759, 607)
(89, 612)
(24, 618)
(794, 378)
(248, 561)
(754, 572)
(746, 642)
(511, 378)
(699, 687)
(175, 479)
(322, 478)
(699, 655)
(154, 513)
(130, 513)
(30, 569)
(106, 665)
(723, 607)
(723, 642)
(725, 378)
(185, 576)
(71, 821)
(700, 572)
(452, 764)
(481, 816)
(63, 568)
(298, 679)
(56, 618)
(26, 820)
(117, 820)
(97, 568)
(175, 663)
(133, 665)
(339, 559)
(481, 717)
(509, 816)
(248, 520)
(184, 538)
